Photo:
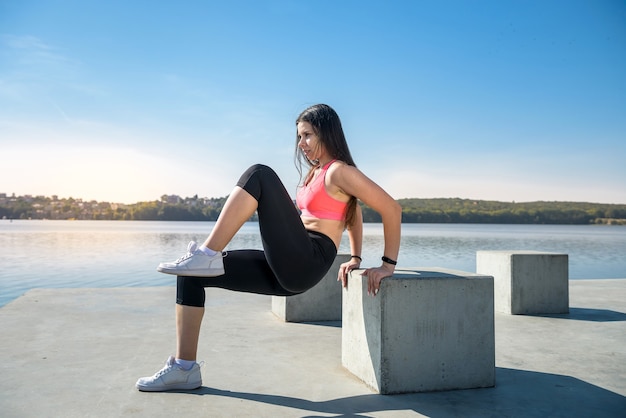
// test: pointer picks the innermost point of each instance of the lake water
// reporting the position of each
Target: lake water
(125, 253)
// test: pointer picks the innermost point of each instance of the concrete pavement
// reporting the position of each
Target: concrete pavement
(78, 353)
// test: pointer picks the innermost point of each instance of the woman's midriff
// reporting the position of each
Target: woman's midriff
(332, 229)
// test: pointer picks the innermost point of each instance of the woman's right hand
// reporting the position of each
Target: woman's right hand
(345, 269)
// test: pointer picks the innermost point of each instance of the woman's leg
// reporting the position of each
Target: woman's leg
(258, 189)
(188, 321)
(245, 271)
(239, 207)
(176, 374)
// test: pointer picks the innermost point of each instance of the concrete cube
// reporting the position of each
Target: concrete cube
(320, 303)
(427, 329)
(527, 282)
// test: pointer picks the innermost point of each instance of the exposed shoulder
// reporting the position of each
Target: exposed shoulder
(336, 177)
(351, 181)
(346, 178)
(339, 171)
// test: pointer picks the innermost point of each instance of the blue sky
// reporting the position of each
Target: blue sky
(125, 101)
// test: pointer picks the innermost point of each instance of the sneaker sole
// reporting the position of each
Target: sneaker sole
(187, 386)
(194, 273)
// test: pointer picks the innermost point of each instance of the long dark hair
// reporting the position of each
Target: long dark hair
(327, 127)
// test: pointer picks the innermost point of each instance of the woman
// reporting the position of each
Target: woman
(299, 248)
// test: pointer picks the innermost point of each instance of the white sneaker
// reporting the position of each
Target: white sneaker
(195, 263)
(171, 377)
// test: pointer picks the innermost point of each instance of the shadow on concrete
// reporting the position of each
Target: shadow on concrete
(518, 393)
(587, 314)
(333, 324)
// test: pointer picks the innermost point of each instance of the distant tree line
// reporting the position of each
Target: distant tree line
(443, 210)
(454, 210)
(169, 208)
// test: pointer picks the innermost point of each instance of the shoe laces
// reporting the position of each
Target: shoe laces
(168, 366)
(192, 248)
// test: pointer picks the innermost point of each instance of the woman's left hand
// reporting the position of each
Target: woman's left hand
(374, 276)
(345, 269)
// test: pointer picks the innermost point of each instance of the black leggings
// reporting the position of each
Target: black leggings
(294, 259)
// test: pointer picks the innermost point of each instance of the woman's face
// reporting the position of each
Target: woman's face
(308, 141)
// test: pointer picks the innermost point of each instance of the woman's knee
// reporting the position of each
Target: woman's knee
(189, 292)
(253, 178)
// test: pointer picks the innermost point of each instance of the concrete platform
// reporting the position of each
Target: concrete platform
(78, 353)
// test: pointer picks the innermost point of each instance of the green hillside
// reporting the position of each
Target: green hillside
(485, 211)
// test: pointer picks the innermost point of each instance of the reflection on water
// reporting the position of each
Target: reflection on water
(594, 251)
(126, 253)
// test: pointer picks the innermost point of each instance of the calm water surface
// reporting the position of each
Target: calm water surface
(126, 253)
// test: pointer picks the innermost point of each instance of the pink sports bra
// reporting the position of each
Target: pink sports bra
(315, 202)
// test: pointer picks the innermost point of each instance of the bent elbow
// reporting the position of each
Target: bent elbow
(397, 209)
(394, 212)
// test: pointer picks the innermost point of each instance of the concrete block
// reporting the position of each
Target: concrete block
(320, 303)
(428, 329)
(527, 282)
